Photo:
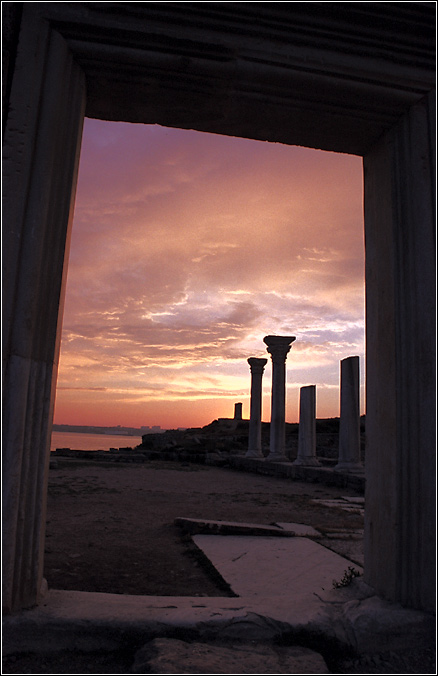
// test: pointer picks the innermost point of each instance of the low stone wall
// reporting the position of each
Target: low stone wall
(324, 474)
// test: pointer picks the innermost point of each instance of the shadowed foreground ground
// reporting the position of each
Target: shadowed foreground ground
(110, 528)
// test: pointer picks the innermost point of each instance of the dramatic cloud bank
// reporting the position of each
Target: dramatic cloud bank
(187, 249)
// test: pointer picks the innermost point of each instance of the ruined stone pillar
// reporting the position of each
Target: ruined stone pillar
(41, 157)
(278, 348)
(400, 465)
(238, 411)
(349, 425)
(307, 429)
(257, 367)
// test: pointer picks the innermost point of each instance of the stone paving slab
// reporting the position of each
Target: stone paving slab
(172, 656)
(341, 503)
(350, 548)
(300, 529)
(345, 534)
(208, 526)
(270, 567)
(355, 500)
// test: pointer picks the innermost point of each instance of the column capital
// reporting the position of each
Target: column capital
(257, 364)
(278, 346)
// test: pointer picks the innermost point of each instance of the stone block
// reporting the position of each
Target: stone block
(172, 656)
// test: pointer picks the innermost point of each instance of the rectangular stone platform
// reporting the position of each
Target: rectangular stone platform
(267, 566)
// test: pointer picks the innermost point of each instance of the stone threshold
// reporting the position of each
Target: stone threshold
(353, 617)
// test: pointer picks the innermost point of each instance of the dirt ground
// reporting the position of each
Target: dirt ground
(110, 527)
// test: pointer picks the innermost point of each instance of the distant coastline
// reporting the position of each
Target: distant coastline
(117, 430)
(82, 441)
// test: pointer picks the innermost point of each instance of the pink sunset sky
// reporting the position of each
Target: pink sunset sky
(187, 249)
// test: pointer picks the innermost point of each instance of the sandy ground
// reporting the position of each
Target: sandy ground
(110, 528)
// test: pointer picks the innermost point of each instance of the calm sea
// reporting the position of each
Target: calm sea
(91, 442)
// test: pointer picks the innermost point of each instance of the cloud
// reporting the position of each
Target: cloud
(188, 248)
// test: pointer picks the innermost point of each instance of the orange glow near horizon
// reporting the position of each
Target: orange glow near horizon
(187, 249)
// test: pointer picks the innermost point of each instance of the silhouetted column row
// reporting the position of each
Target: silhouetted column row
(349, 429)
(278, 347)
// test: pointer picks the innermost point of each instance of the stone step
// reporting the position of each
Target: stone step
(173, 656)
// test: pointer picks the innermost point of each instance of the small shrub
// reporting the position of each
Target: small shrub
(347, 578)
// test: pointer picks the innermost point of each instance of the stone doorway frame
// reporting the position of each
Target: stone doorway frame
(331, 80)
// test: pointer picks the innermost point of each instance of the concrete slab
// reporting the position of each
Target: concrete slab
(269, 567)
(300, 529)
(209, 527)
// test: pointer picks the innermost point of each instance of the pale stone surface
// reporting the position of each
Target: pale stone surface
(278, 347)
(92, 621)
(230, 527)
(307, 428)
(172, 656)
(300, 529)
(349, 424)
(257, 367)
(261, 566)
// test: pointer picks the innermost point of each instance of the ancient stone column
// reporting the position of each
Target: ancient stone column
(278, 348)
(42, 141)
(257, 367)
(238, 411)
(307, 428)
(349, 425)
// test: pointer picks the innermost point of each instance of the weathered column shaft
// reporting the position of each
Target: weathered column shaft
(238, 411)
(41, 156)
(307, 427)
(278, 347)
(400, 464)
(349, 425)
(257, 367)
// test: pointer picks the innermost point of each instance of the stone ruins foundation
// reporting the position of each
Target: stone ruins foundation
(356, 78)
